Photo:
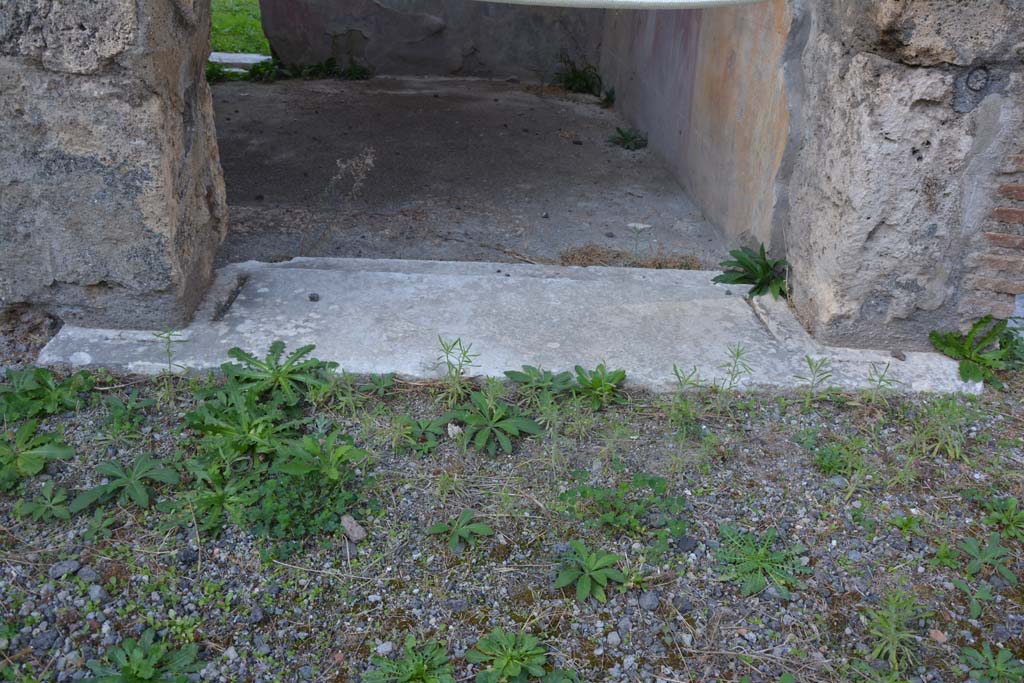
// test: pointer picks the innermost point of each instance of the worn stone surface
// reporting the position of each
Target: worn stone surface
(378, 316)
(111, 195)
(906, 112)
(439, 37)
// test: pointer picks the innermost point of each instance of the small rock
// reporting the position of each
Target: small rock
(353, 530)
(63, 568)
(231, 654)
(88, 574)
(256, 615)
(188, 556)
(98, 594)
(649, 600)
(385, 648)
(614, 640)
(374, 598)
(44, 641)
(313, 296)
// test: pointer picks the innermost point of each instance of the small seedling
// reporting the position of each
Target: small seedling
(51, 504)
(490, 423)
(751, 562)
(510, 657)
(582, 79)
(1005, 514)
(600, 386)
(628, 138)
(379, 385)
(894, 642)
(748, 267)
(133, 662)
(590, 572)
(419, 663)
(461, 531)
(418, 436)
(819, 373)
(992, 555)
(290, 380)
(986, 667)
(975, 598)
(24, 453)
(456, 358)
(130, 484)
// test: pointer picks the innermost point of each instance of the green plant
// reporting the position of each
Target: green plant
(882, 384)
(628, 506)
(894, 641)
(268, 71)
(975, 598)
(489, 422)
(290, 380)
(24, 453)
(33, 391)
(591, 572)
(461, 531)
(332, 457)
(457, 358)
(49, 505)
(942, 427)
(819, 373)
(1004, 513)
(125, 417)
(510, 657)
(945, 556)
(144, 661)
(215, 72)
(751, 562)
(979, 351)
(99, 526)
(355, 72)
(749, 267)
(909, 525)
(608, 98)
(988, 668)
(628, 138)
(235, 424)
(992, 555)
(841, 457)
(418, 436)
(536, 384)
(131, 484)
(582, 79)
(418, 663)
(379, 385)
(600, 386)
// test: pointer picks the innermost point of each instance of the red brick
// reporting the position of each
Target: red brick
(995, 284)
(1015, 164)
(1011, 266)
(1006, 215)
(1005, 241)
(1013, 191)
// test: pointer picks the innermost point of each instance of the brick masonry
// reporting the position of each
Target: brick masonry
(997, 276)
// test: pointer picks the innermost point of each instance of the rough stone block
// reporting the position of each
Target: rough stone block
(1013, 191)
(1008, 215)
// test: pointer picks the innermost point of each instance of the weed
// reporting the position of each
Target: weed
(510, 657)
(489, 422)
(751, 562)
(332, 457)
(841, 457)
(31, 392)
(608, 98)
(418, 436)
(537, 385)
(131, 484)
(882, 384)
(269, 71)
(894, 641)
(289, 380)
(979, 351)
(1004, 513)
(988, 668)
(143, 660)
(590, 572)
(461, 531)
(24, 453)
(945, 556)
(51, 504)
(992, 555)
(628, 506)
(819, 373)
(600, 386)
(628, 138)
(582, 79)
(418, 663)
(99, 526)
(908, 525)
(975, 598)
(215, 72)
(943, 427)
(748, 267)
(379, 385)
(456, 358)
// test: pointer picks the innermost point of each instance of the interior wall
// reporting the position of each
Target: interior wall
(432, 37)
(708, 88)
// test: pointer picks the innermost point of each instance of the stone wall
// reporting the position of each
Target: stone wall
(436, 37)
(900, 215)
(111, 195)
(707, 86)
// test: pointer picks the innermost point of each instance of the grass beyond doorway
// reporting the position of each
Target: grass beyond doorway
(237, 27)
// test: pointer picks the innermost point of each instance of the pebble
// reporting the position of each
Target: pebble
(385, 648)
(353, 530)
(649, 600)
(98, 594)
(231, 654)
(613, 639)
(88, 574)
(63, 568)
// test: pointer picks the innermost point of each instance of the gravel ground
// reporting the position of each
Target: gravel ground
(321, 613)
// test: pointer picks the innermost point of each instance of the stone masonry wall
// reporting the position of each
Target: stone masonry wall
(111, 195)
(432, 37)
(900, 215)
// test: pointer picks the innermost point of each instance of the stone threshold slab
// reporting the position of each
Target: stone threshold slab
(379, 315)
